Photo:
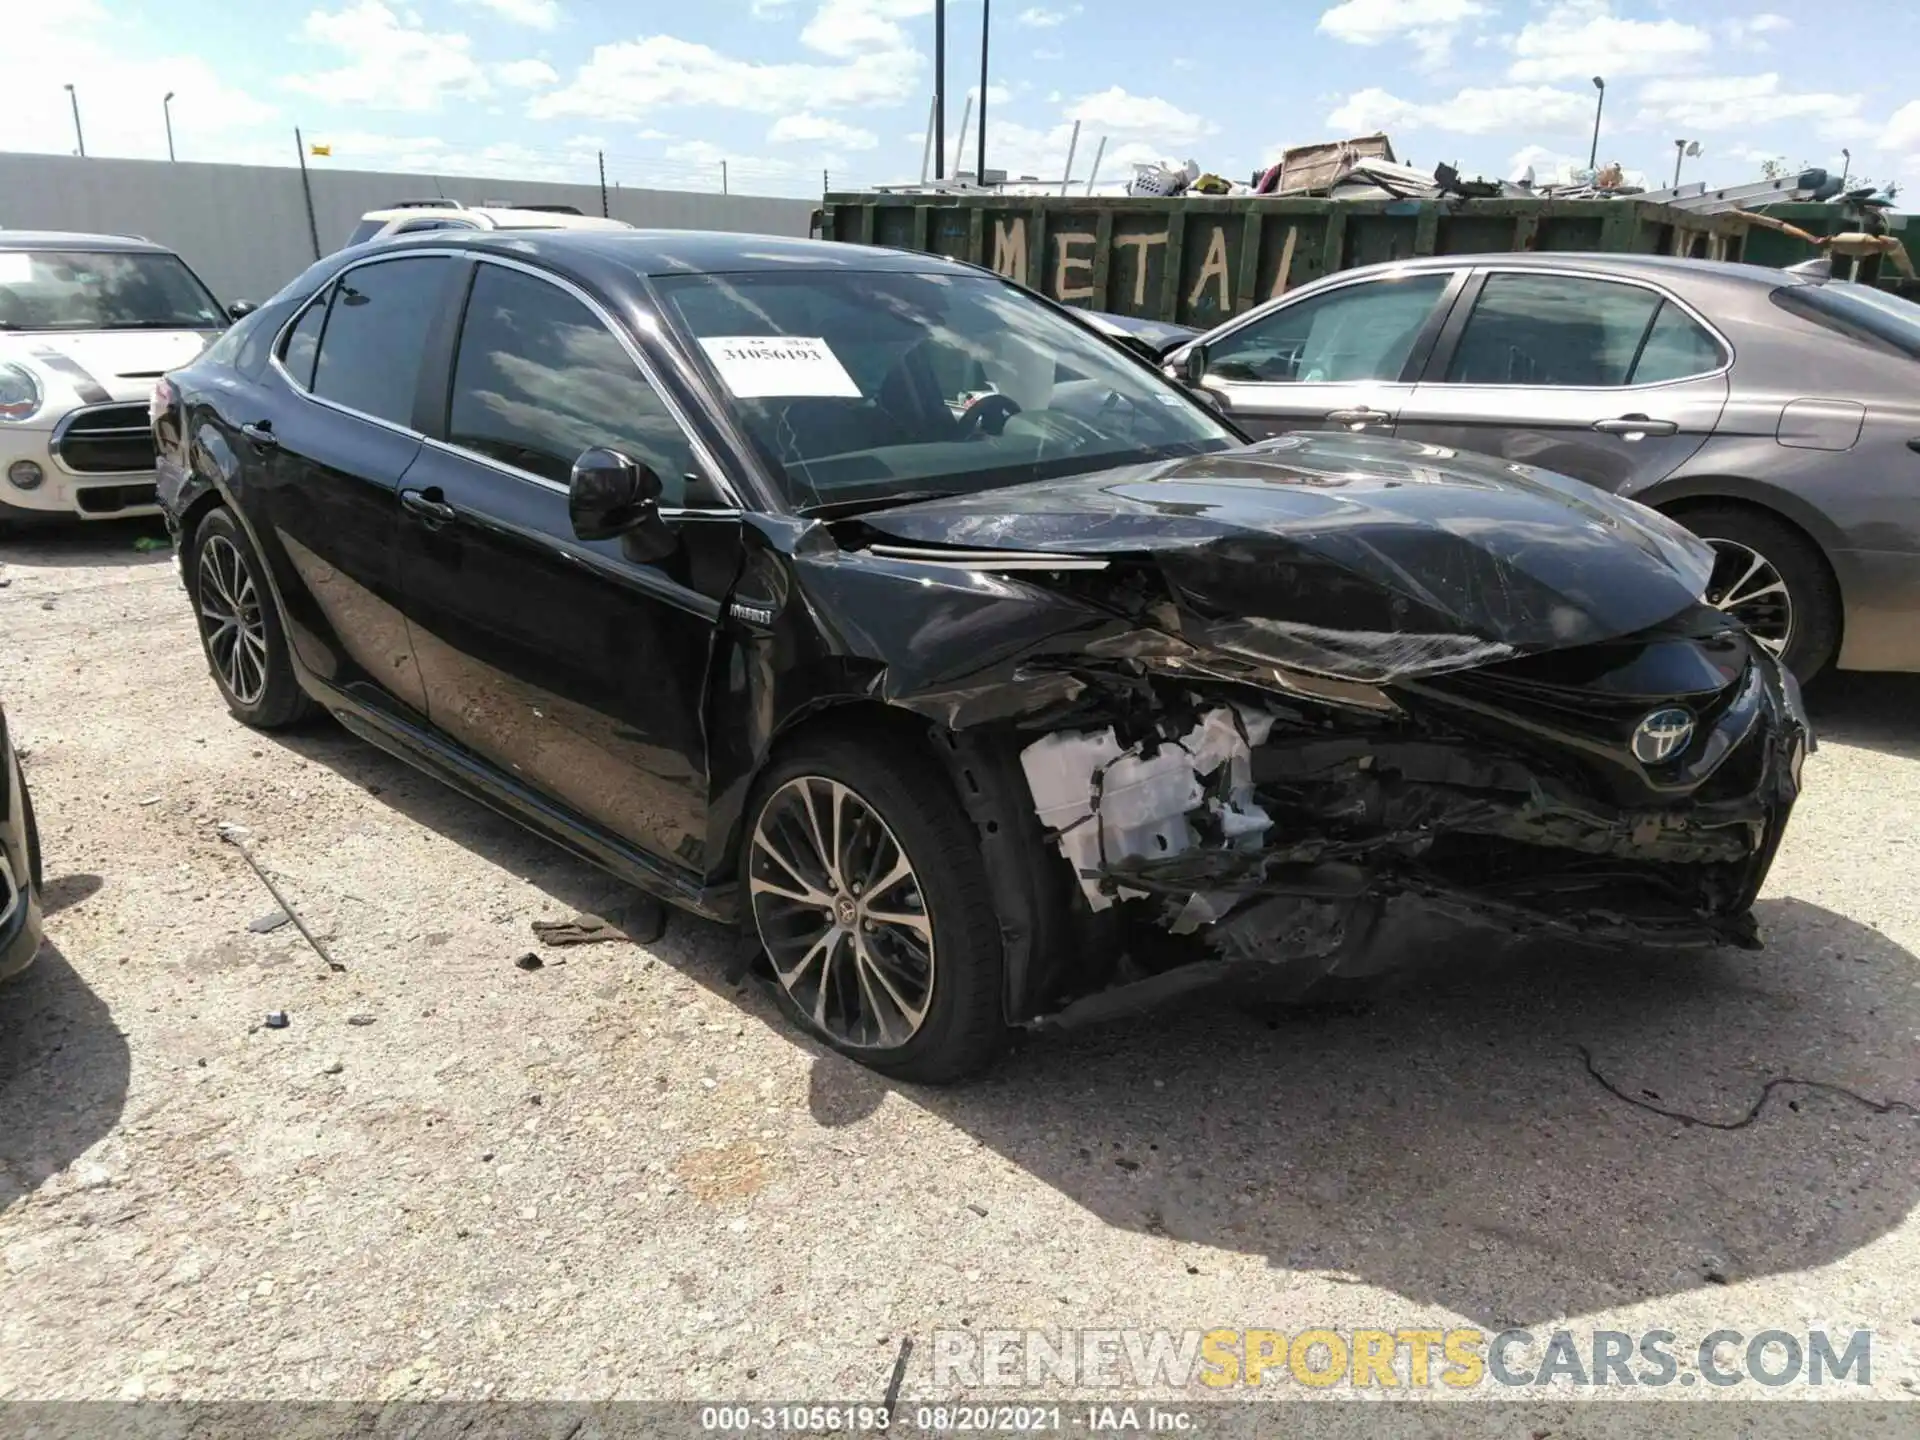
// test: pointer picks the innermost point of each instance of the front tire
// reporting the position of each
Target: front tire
(1771, 578)
(869, 895)
(240, 630)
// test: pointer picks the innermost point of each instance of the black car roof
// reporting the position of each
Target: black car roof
(76, 240)
(679, 252)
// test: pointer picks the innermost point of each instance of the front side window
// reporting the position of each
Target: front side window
(102, 290)
(857, 386)
(1356, 332)
(1574, 331)
(376, 332)
(539, 378)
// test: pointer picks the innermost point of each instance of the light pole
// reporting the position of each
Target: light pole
(79, 139)
(1593, 155)
(166, 109)
(980, 164)
(939, 89)
(1846, 168)
(1682, 149)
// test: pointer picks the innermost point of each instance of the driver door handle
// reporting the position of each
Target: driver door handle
(1360, 416)
(260, 433)
(429, 506)
(1635, 425)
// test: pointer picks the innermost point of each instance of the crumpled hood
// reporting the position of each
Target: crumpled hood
(98, 365)
(1350, 555)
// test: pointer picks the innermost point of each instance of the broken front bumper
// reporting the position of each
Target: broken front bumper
(1268, 836)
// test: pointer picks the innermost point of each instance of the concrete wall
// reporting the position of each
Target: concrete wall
(244, 227)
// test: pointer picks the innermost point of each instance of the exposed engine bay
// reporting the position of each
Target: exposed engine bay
(1325, 696)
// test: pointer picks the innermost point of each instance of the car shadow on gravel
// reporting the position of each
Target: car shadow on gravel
(87, 543)
(1448, 1143)
(64, 1070)
(1874, 712)
(1446, 1140)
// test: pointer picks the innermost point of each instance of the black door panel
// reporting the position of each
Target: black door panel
(562, 662)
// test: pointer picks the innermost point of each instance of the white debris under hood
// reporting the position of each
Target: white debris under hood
(1105, 802)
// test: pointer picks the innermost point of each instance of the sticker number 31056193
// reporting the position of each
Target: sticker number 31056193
(757, 367)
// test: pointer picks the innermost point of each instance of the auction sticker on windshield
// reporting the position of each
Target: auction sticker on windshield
(763, 367)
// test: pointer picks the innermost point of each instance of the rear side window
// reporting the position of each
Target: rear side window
(413, 227)
(303, 343)
(365, 231)
(376, 333)
(1675, 348)
(540, 378)
(1873, 317)
(1553, 330)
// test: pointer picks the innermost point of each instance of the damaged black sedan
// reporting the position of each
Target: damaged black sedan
(981, 675)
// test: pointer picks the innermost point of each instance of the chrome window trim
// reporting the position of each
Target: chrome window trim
(1487, 272)
(59, 433)
(647, 372)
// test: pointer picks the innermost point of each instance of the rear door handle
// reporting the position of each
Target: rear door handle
(1635, 425)
(429, 506)
(260, 433)
(1361, 416)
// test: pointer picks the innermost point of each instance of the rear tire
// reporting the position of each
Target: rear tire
(902, 920)
(240, 630)
(1805, 631)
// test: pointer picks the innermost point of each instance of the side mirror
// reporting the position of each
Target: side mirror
(240, 309)
(1193, 365)
(610, 494)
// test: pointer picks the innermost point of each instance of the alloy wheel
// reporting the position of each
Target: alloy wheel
(841, 914)
(1747, 586)
(231, 620)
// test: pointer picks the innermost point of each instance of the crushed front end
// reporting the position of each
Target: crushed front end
(1630, 791)
(1269, 706)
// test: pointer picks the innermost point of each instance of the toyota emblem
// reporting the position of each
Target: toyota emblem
(1661, 736)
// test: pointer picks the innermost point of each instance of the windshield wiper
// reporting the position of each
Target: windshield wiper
(833, 509)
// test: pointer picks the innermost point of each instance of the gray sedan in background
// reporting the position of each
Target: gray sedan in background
(1776, 415)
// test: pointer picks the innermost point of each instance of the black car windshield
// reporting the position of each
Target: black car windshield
(860, 386)
(102, 290)
(1861, 311)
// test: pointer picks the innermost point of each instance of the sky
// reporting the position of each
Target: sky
(790, 92)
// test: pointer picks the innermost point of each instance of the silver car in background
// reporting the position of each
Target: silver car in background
(1776, 415)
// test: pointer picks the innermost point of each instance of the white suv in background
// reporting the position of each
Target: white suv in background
(407, 217)
(87, 324)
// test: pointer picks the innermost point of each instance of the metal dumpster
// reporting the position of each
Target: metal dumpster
(1196, 260)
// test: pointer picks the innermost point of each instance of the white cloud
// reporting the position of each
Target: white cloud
(996, 95)
(540, 14)
(1738, 102)
(1483, 110)
(631, 78)
(391, 64)
(843, 28)
(525, 74)
(120, 88)
(1580, 38)
(805, 129)
(1041, 18)
(1144, 117)
(1430, 25)
(1046, 53)
(1762, 23)
(1902, 130)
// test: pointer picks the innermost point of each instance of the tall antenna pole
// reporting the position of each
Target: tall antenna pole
(939, 89)
(980, 164)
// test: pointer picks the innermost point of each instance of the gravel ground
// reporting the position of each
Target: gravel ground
(620, 1177)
